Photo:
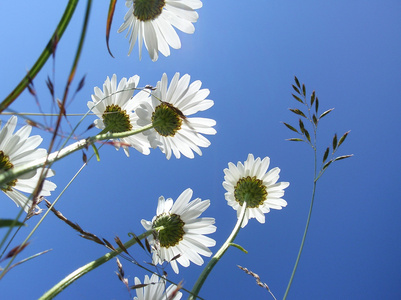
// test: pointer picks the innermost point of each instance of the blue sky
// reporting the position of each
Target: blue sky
(246, 54)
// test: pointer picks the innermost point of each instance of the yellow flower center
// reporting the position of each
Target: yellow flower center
(250, 189)
(6, 165)
(167, 119)
(147, 10)
(173, 231)
(115, 119)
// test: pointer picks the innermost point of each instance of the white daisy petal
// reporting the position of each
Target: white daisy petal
(180, 23)
(150, 39)
(177, 134)
(118, 100)
(16, 150)
(155, 289)
(182, 11)
(170, 37)
(185, 236)
(152, 22)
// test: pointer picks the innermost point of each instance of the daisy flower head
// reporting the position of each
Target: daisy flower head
(156, 290)
(168, 109)
(113, 106)
(18, 149)
(249, 182)
(183, 237)
(152, 21)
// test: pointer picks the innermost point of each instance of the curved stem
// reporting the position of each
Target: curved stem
(49, 49)
(7, 268)
(302, 243)
(306, 228)
(209, 267)
(55, 290)
(71, 75)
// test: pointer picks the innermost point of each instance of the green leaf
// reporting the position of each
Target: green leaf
(307, 135)
(317, 104)
(297, 111)
(343, 157)
(303, 90)
(297, 81)
(10, 222)
(326, 154)
(296, 89)
(295, 140)
(315, 120)
(110, 15)
(290, 127)
(96, 152)
(297, 98)
(326, 112)
(342, 139)
(312, 98)
(81, 84)
(335, 142)
(239, 247)
(301, 126)
(327, 164)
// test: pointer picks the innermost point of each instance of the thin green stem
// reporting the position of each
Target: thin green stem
(306, 226)
(55, 290)
(215, 259)
(10, 229)
(49, 49)
(302, 243)
(57, 155)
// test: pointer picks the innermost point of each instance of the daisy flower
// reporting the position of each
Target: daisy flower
(156, 290)
(18, 149)
(168, 108)
(152, 21)
(114, 107)
(183, 237)
(249, 182)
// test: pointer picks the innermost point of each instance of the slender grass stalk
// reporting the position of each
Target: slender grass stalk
(215, 259)
(304, 236)
(7, 268)
(60, 286)
(49, 49)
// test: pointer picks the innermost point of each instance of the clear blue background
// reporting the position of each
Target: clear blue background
(246, 53)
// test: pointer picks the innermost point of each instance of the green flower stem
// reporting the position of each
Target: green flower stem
(58, 33)
(206, 271)
(51, 158)
(55, 290)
